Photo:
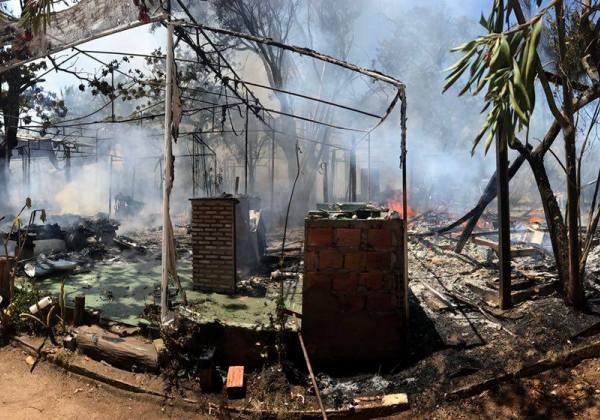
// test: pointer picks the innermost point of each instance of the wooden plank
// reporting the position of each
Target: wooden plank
(541, 290)
(235, 382)
(485, 242)
(524, 252)
(514, 252)
(388, 400)
(490, 296)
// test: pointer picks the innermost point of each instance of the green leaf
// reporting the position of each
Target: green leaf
(489, 140)
(460, 63)
(505, 50)
(531, 51)
(464, 47)
(454, 76)
(520, 86)
(483, 22)
(515, 104)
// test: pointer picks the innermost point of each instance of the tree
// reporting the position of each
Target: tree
(279, 19)
(21, 100)
(506, 62)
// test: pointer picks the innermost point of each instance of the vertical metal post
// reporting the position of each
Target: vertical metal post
(353, 172)
(133, 179)
(110, 186)
(332, 174)
(67, 163)
(28, 168)
(272, 167)
(112, 100)
(503, 218)
(325, 183)
(368, 168)
(194, 170)
(246, 148)
(168, 159)
(403, 153)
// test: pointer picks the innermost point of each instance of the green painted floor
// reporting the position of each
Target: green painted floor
(121, 289)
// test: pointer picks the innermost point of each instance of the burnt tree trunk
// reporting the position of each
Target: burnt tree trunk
(554, 219)
(574, 295)
(574, 289)
(490, 192)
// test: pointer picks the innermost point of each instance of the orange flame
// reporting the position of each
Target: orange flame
(396, 205)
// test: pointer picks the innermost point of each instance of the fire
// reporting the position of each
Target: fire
(536, 217)
(396, 205)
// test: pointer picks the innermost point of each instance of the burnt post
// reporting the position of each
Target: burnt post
(246, 148)
(503, 218)
(67, 163)
(332, 174)
(79, 312)
(403, 152)
(368, 168)
(110, 187)
(272, 167)
(353, 171)
(325, 182)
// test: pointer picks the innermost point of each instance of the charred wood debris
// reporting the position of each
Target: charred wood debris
(457, 333)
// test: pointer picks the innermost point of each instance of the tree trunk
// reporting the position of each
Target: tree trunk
(540, 150)
(10, 110)
(574, 291)
(490, 192)
(554, 219)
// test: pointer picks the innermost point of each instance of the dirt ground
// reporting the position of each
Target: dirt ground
(50, 393)
(557, 394)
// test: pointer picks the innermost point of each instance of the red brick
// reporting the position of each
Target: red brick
(319, 237)
(347, 237)
(345, 281)
(310, 261)
(372, 280)
(380, 302)
(379, 261)
(351, 303)
(391, 279)
(379, 238)
(354, 261)
(314, 280)
(330, 259)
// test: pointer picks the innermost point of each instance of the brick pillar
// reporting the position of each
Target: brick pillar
(213, 244)
(352, 303)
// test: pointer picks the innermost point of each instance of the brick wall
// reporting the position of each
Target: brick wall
(353, 293)
(213, 244)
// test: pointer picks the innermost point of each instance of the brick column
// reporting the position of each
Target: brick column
(353, 289)
(213, 244)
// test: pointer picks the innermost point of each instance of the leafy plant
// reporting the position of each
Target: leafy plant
(504, 63)
(10, 319)
(36, 15)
